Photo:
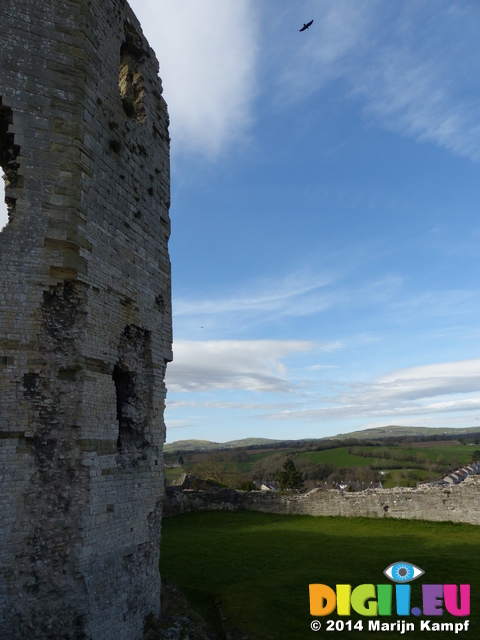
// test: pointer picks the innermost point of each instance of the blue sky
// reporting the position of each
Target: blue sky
(325, 229)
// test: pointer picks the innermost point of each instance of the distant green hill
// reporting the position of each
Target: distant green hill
(389, 431)
(394, 431)
(206, 445)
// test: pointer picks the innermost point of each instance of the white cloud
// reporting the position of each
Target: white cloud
(207, 52)
(405, 392)
(463, 369)
(3, 212)
(430, 380)
(254, 365)
(180, 424)
(317, 367)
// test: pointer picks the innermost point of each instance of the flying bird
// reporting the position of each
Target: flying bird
(305, 26)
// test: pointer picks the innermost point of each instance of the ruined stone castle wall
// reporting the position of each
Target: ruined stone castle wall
(456, 503)
(85, 320)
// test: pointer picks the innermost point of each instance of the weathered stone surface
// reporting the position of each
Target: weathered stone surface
(457, 503)
(85, 320)
(177, 501)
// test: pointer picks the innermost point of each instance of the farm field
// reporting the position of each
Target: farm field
(397, 458)
(342, 458)
(256, 567)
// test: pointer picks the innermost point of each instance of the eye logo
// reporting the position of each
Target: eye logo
(403, 572)
(377, 600)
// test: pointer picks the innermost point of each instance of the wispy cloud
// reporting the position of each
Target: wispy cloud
(181, 424)
(299, 294)
(207, 52)
(405, 392)
(253, 365)
(295, 294)
(274, 302)
(446, 240)
(318, 367)
(442, 302)
(242, 406)
(412, 65)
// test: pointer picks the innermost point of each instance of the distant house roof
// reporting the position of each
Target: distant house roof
(268, 487)
(460, 474)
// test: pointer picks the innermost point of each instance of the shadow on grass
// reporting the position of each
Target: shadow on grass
(256, 567)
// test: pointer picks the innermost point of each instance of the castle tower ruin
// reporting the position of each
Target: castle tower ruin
(85, 320)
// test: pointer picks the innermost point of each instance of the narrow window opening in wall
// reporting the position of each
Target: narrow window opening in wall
(160, 303)
(9, 152)
(131, 81)
(125, 388)
(132, 376)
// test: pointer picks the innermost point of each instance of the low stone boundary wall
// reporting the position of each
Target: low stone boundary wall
(458, 503)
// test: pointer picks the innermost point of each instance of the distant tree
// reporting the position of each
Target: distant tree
(290, 478)
(180, 461)
(247, 485)
(218, 466)
(318, 471)
(454, 462)
(364, 474)
(266, 469)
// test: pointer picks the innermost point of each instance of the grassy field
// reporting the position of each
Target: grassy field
(341, 458)
(174, 474)
(422, 455)
(338, 457)
(257, 567)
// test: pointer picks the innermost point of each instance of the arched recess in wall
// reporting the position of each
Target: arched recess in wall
(133, 379)
(131, 81)
(9, 152)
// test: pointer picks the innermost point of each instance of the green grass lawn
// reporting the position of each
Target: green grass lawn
(463, 453)
(257, 567)
(396, 478)
(174, 474)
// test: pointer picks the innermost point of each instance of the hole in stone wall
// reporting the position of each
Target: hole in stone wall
(8, 162)
(131, 81)
(125, 388)
(3, 213)
(160, 303)
(132, 376)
